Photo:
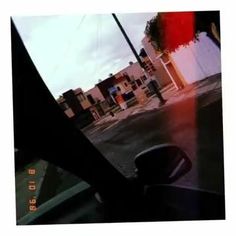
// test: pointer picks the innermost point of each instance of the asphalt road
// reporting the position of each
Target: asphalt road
(194, 124)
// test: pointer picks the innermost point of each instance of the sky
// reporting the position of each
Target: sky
(72, 51)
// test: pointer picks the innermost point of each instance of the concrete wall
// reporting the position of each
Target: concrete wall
(133, 70)
(96, 93)
(149, 49)
(69, 112)
(85, 103)
(198, 60)
(161, 74)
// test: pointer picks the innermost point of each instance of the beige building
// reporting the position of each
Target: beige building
(65, 107)
(81, 104)
(166, 69)
(131, 80)
(95, 93)
(84, 102)
(122, 84)
(96, 98)
(135, 76)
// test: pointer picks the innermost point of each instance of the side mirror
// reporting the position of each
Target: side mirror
(162, 164)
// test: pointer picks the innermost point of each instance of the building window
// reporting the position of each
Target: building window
(134, 87)
(127, 77)
(132, 78)
(118, 88)
(145, 65)
(125, 84)
(138, 81)
(91, 99)
(153, 68)
(64, 106)
(143, 78)
(81, 97)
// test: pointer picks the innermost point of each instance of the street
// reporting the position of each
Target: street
(192, 119)
(167, 91)
(194, 123)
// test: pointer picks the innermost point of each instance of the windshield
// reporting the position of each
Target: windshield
(127, 100)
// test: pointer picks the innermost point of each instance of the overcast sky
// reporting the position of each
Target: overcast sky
(76, 51)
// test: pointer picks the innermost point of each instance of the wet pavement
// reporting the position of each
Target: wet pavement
(191, 118)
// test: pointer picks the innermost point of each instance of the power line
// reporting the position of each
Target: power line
(69, 44)
(81, 21)
(97, 44)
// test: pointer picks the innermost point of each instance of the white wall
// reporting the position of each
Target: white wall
(198, 60)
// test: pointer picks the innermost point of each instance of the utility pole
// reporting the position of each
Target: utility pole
(128, 40)
(158, 93)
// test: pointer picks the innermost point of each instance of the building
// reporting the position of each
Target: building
(104, 87)
(166, 71)
(97, 100)
(94, 95)
(154, 67)
(199, 60)
(188, 64)
(82, 98)
(65, 107)
(123, 90)
(134, 74)
(79, 107)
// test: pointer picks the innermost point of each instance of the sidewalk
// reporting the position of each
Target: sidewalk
(197, 89)
(172, 96)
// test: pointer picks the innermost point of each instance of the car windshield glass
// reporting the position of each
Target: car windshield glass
(37, 182)
(127, 90)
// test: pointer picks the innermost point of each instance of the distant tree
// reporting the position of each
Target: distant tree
(167, 31)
